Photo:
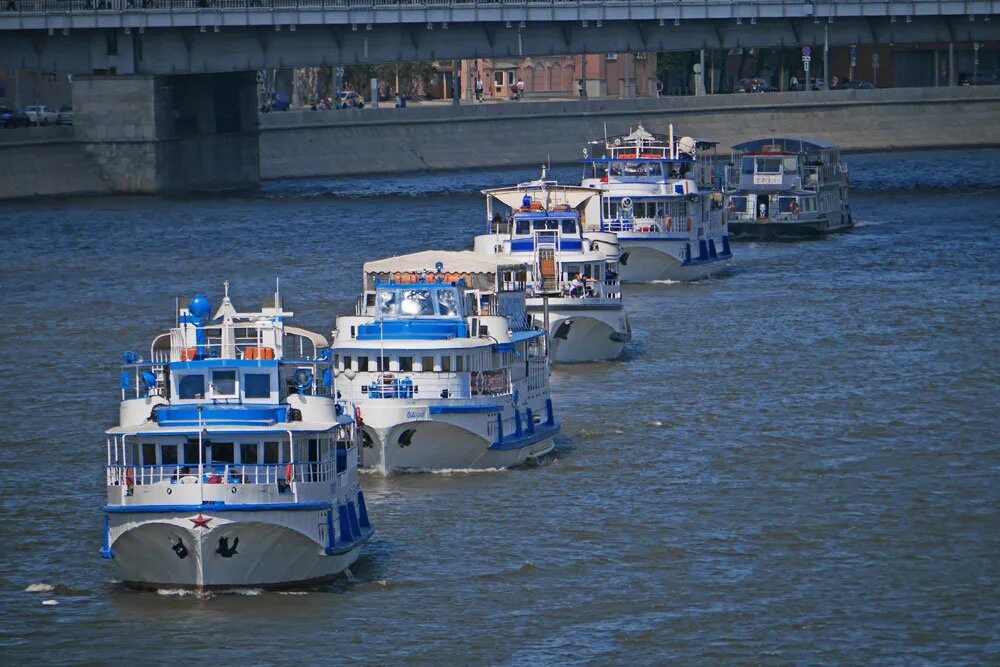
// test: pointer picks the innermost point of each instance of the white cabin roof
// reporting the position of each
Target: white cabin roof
(464, 261)
(574, 195)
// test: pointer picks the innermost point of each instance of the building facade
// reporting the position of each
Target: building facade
(603, 74)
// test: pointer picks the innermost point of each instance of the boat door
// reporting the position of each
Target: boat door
(763, 207)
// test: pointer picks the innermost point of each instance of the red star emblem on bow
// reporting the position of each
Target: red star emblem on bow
(200, 521)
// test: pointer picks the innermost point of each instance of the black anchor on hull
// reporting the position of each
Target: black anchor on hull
(179, 549)
(406, 437)
(225, 550)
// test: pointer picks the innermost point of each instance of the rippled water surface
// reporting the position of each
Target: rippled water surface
(797, 463)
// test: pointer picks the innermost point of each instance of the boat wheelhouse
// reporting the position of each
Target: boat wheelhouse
(656, 196)
(445, 365)
(233, 464)
(573, 287)
(786, 188)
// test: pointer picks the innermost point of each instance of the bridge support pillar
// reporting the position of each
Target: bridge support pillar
(154, 134)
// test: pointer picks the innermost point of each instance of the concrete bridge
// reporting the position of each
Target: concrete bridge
(203, 36)
(169, 97)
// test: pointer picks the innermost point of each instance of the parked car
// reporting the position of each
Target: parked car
(755, 85)
(274, 101)
(815, 84)
(65, 116)
(42, 115)
(350, 100)
(13, 117)
(854, 85)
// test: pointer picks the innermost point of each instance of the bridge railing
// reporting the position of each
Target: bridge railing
(84, 6)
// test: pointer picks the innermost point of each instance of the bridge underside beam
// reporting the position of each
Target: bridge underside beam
(192, 51)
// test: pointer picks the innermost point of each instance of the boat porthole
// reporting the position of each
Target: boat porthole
(169, 491)
(232, 490)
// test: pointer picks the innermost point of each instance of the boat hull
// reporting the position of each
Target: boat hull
(790, 229)
(651, 261)
(584, 334)
(158, 551)
(431, 445)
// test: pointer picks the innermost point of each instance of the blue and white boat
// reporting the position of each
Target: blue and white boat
(573, 287)
(233, 465)
(445, 365)
(656, 195)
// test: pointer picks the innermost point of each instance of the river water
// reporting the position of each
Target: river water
(798, 462)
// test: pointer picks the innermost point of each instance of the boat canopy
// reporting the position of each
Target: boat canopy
(791, 145)
(463, 261)
(558, 195)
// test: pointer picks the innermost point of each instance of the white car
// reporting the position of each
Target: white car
(42, 115)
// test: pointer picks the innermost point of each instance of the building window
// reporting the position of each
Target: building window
(611, 56)
(640, 56)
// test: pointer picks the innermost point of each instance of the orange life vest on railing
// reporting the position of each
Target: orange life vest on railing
(259, 353)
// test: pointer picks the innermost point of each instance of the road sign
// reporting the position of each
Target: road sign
(806, 59)
(340, 71)
(806, 51)
(854, 51)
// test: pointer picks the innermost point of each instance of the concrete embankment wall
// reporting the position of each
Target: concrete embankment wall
(46, 161)
(363, 141)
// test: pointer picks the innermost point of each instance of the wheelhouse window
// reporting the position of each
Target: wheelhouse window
(257, 385)
(746, 166)
(405, 364)
(148, 454)
(739, 204)
(191, 386)
(768, 165)
(224, 383)
(416, 302)
(655, 169)
(522, 227)
(362, 363)
(791, 164)
(448, 302)
(387, 303)
(427, 364)
(568, 226)
(635, 169)
(445, 363)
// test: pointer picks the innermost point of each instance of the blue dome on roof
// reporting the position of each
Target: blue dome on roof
(199, 306)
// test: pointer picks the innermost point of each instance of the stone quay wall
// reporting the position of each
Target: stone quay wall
(362, 141)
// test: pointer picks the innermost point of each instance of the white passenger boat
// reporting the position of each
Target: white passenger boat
(656, 196)
(445, 365)
(573, 287)
(784, 188)
(233, 465)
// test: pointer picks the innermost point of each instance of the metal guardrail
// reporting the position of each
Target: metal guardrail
(741, 8)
